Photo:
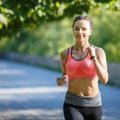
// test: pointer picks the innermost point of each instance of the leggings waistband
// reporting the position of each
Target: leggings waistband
(85, 101)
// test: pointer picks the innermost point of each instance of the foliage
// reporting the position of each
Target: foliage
(17, 14)
(48, 39)
(51, 38)
(50, 21)
(106, 33)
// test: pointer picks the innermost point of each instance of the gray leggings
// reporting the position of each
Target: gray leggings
(73, 112)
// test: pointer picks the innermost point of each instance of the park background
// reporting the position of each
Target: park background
(32, 29)
(32, 35)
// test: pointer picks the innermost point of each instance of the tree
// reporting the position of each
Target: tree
(16, 14)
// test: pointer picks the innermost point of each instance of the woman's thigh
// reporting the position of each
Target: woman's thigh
(71, 113)
(94, 113)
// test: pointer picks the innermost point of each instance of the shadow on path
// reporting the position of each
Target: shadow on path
(31, 93)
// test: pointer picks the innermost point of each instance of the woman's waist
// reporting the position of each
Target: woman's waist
(81, 92)
(86, 101)
(83, 87)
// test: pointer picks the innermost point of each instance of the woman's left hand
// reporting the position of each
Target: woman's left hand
(91, 50)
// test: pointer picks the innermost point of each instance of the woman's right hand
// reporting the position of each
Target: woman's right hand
(62, 80)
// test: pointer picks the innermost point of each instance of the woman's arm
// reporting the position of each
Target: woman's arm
(63, 79)
(100, 63)
(63, 56)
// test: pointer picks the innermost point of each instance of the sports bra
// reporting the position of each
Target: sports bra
(83, 68)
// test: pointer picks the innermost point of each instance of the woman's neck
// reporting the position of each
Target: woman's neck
(81, 47)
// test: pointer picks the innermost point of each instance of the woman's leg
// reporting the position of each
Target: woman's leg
(94, 113)
(71, 112)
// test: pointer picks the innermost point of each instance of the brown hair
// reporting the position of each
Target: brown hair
(80, 17)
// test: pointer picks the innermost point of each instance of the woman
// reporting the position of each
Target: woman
(83, 65)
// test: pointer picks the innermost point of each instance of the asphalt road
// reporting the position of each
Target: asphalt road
(30, 93)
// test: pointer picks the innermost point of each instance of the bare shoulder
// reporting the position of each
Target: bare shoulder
(99, 51)
(64, 52)
(63, 55)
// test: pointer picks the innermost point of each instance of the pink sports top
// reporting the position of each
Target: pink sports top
(83, 68)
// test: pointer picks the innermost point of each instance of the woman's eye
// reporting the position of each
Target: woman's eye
(84, 29)
(77, 29)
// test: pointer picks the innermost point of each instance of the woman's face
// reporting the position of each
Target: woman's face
(82, 30)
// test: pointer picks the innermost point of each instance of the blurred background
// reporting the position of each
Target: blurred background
(44, 27)
(36, 31)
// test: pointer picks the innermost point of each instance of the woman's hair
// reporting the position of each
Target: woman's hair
(81, 17)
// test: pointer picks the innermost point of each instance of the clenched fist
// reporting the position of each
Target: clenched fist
(62, 80)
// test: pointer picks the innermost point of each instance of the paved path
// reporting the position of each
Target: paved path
(31, 93)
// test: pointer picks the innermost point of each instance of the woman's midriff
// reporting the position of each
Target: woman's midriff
(84, 86)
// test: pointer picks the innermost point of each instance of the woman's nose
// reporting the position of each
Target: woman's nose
(80, 31)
